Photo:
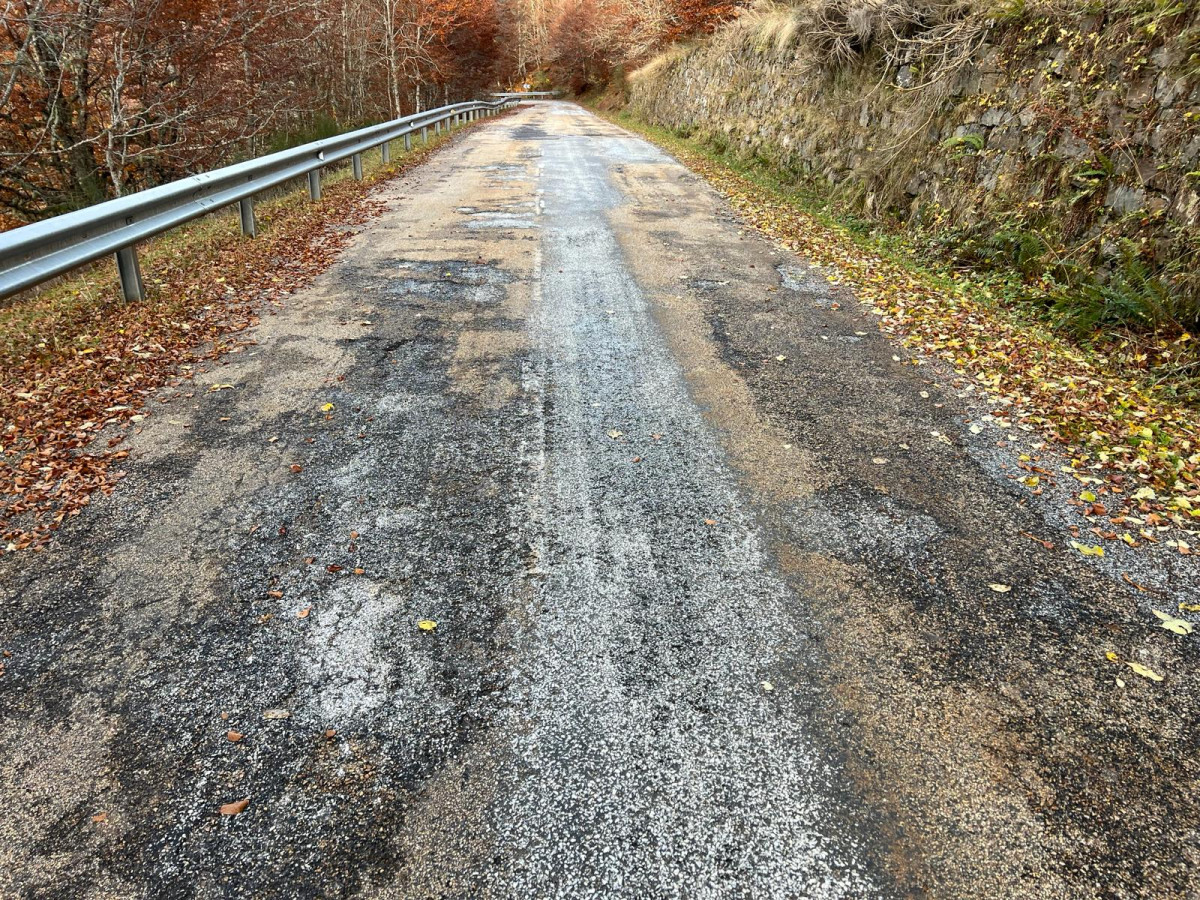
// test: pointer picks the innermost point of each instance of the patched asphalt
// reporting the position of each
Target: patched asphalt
(708, 559)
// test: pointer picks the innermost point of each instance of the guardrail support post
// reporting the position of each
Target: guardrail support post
(246, 211)
(314, 184)
(385, 151)
(358, 167)
(408, 143)
(425, 135)
(131, 275)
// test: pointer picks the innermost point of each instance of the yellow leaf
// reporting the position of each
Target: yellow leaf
(1112, 657)
(1145, 494)
(614, 434)
(221, 387)
(1001, 588)
(427, 625)
(328, 407)
(1088, 496)
(1171, 623)
(1087, 550)
(1144, 672)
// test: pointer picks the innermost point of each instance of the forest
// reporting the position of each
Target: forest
(102, 97)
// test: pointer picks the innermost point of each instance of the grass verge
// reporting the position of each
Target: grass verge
(1134, 447)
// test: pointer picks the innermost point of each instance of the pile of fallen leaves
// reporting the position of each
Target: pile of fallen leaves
(1135, 455)
(76, 360)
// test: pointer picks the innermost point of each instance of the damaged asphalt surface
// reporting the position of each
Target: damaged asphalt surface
(709, 566)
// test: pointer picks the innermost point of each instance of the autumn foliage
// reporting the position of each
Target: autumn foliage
(101, 97)
(587, 38)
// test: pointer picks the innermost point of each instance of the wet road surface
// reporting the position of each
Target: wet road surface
(693, 638)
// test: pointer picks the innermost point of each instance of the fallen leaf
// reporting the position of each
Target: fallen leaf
(220, 387)
(879, 460)
(614, 434)
(277, 714)
(328, 407)
(1144, 672)
(427, 624)
(1112, 657)
(100, 817)
(1088, 549)
(1000, 588)
(1049, 545)
(303, 614)
(234, 808)
(710, 521)
(296, 467)
(233, 736)
(767, 686)
(1173, 624)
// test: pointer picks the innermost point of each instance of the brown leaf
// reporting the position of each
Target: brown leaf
(235, 808)
(296, 467)
(233, 736)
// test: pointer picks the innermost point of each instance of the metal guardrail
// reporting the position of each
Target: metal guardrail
(33, 254)
(526, 95)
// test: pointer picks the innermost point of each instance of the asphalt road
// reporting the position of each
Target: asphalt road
(709, 567)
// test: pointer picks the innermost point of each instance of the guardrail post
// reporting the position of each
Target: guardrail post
(424, 134)
(385, 151)
(314, 184)
(357, 166)
(246, 211)
(130, 273)
(408, 143)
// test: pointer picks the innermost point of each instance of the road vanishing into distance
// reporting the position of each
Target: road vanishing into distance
(567, 539)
